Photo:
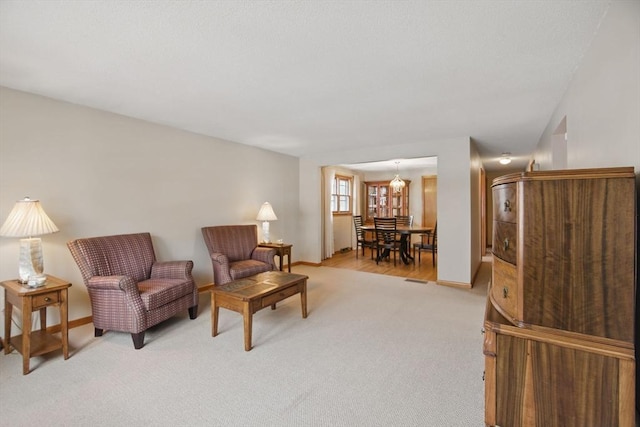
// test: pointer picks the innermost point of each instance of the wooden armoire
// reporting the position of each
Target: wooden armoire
(382, 201)
(559, 323)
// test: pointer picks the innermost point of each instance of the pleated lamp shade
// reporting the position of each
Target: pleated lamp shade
(27, 219)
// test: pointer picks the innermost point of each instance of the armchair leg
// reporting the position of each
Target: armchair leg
(138, 340)
(98, 332)
(193, 312)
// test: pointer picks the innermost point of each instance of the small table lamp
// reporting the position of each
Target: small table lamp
(28, 219)
(265, 215)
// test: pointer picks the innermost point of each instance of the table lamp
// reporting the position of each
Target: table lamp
(28, 219)
(265, 215)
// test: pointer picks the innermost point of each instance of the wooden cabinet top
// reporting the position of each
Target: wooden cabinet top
(620, 172)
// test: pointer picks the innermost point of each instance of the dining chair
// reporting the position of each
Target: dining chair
(428, 242)
(361, 240)
(405, 220)
(387, 238)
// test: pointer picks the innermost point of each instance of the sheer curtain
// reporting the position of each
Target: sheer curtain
(355, 208)
(328, 175)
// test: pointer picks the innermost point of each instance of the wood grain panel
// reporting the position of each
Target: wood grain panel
(579, 249)
(579, 383)
(510, 379)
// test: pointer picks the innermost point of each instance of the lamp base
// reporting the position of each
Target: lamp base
(265, 232)
(37, 281)
(30, 264)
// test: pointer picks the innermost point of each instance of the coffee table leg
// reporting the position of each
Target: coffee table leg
(248, 321)
(303, 299)
(214, 315)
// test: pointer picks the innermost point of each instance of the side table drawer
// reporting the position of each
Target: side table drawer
(44, 300)
(280, 295)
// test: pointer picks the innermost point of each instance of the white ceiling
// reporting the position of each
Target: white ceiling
(303, 77)
(391, 165)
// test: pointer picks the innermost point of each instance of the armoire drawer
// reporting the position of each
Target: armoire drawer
(504, 289)
(505, 241)
(505, 202)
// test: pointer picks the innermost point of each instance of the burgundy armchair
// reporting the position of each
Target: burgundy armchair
(129, 290)
(235, 252)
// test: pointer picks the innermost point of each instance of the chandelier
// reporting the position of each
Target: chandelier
(397, 184)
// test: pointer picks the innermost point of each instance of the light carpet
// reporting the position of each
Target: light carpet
(375, 350)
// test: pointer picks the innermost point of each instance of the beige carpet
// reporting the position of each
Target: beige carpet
(375, 351)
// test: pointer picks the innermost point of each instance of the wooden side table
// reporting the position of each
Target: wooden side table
(34, 343)
(282, 249)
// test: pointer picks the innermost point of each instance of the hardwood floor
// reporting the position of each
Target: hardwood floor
(423, 271)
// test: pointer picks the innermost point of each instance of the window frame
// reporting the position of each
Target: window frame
(337, 195)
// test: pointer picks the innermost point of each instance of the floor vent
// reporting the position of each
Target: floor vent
(416, 280)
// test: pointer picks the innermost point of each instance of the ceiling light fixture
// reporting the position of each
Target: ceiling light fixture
(397, 183)
(505, 159)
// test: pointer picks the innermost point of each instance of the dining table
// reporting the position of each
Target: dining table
(405, 231)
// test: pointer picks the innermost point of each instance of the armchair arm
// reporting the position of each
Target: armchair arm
(113, 283)
(221, 274)
(265, 255)
(172, 270)
(116, 303)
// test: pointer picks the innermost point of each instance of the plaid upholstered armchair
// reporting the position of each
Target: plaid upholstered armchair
(129, 290)
(235, 252)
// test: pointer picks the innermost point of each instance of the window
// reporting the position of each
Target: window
(341, 195)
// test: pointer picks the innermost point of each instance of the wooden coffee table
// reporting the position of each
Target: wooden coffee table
(252, 294)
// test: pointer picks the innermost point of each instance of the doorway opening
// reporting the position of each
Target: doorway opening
(418, 199)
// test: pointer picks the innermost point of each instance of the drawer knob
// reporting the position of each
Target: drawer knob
(506, 244)
(505, 292)
(47, 299)
(507, 206)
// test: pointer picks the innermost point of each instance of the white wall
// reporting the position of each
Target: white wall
(98, 173)
(309, 212)
(602, 102)
(454, 198)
